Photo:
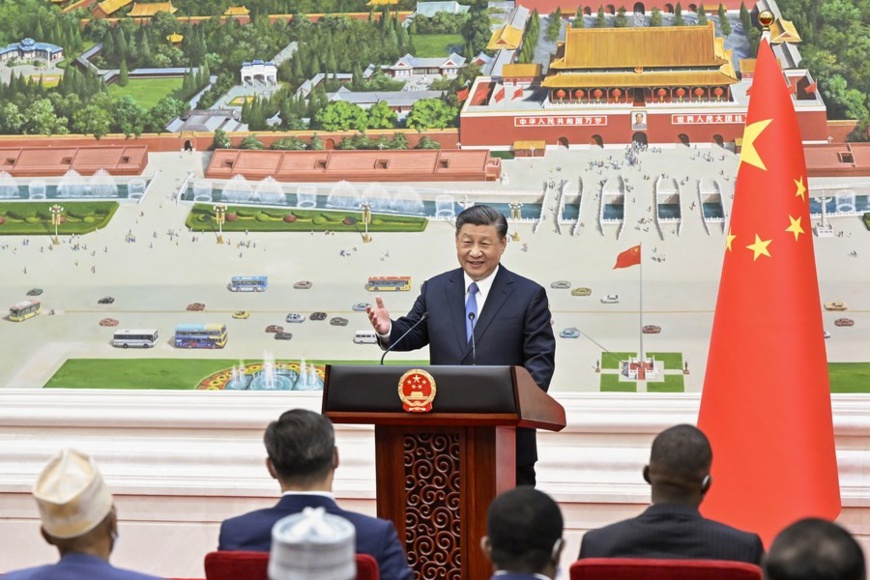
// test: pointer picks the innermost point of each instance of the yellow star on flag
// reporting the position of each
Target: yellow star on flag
(749, 154)
(730, 239)
(759, 247)
(801, 188)
(795, 227)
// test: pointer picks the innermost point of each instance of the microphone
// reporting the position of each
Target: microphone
(473, 343)
(406, 333)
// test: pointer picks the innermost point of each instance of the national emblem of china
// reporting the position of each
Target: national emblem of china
(417, 390)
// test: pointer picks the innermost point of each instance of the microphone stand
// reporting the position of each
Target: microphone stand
(404, 334)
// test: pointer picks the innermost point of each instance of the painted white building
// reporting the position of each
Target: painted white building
(29, 48)
(259, 71)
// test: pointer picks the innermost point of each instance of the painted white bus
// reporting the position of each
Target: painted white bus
(365, 337)
(137, 338)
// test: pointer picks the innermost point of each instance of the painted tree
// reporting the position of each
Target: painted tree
(431, 114)
(621, 21)
(601, 19)
(221, 140)
(678, 16)
(724, 23)
(91, 120)
(252, 142)
(554, 25)
(702, 15)
(579, 21)
(123, 75)
(341, 116)
(655, 18)
(381, 116)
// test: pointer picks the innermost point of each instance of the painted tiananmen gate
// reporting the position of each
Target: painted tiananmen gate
(612, 86)
(570, 6)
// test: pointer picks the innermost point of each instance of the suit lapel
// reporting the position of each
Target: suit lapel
(502, 286)
(455, 297)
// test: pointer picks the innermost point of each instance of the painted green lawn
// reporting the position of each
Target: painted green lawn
(610, 360)
(34, 217)
(612, 384)
(154, 373)
(671, 384)
(671, 360)
(146, 91)
(849, 377)
(433, 45)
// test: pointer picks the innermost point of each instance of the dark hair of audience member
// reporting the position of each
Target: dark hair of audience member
(523, 525)
(814, 549)
(483, 215)
(681, 453)
(301, 446)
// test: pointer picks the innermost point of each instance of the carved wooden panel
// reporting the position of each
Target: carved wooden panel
(432, 512)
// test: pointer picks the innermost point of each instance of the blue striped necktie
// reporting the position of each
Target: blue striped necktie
(470, 308)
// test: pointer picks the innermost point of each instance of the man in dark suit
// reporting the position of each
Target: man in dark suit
(480, 314)
(523, 535)
(814, 549)
(78, 518)
(302, 456)
(672, 527)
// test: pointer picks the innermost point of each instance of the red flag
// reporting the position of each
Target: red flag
(766, 404)
(628, 258)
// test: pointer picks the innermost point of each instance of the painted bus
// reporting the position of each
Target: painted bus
(248, 283)
(200, 335)
(388, 284)
(143, 338)
(24, 310)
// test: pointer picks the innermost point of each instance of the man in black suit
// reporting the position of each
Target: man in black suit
(479, 314)
(672, 527)
(814, 549)
(302, 456)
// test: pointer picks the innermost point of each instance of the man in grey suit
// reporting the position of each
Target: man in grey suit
(480, 313)
(78, 518)
(672, 527)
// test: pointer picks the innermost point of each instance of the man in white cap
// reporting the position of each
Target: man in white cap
(78, 517)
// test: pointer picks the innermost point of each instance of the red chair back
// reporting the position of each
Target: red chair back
(240, 565)
(659, 569)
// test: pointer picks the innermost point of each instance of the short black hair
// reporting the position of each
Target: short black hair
(814, 549)
(483, 215)
(301, 445)
(681, 451)
(523, 525)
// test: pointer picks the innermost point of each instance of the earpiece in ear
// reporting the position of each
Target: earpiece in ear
(705, 483)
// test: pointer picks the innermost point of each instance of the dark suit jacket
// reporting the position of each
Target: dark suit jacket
(672, 531)
(77, 567)
(375, 537)
(514, 576)
(513, 329)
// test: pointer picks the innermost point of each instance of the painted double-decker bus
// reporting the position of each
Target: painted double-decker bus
(200, 335)
(388, 284)
(144, 338)
(248, 283)
(24, 310)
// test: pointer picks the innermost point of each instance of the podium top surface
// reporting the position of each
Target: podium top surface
(464, 395)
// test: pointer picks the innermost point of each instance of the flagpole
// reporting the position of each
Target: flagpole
(640, 263)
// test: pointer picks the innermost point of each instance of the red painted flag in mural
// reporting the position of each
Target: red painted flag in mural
(766, 404)
(628, 258)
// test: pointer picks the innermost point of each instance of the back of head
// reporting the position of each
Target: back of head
(680, 460)
(814, 549)
(524, 527)
(312, 545)
(483, 215)
(301, 446)
(71, 496)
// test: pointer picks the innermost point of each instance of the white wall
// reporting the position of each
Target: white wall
(181, 462)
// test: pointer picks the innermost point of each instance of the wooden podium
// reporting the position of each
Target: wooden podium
(438, 471)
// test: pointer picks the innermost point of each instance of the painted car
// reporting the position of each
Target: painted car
(844, 322)
(34, 292)
(570, 333)
(295, 317)
(283, 335)
(338, 321)
(302, 285)
(108, 322)
(836, 306)
(651, 329)
(610, 299)
(560, 284)
(582, 291)
(105, 300)
(360, 306)
(196, 306)
(241, 314)
(318, 316)
(274, 328)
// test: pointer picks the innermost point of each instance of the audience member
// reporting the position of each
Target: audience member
(672, 527)
(814, 549)
(312, 545)
(524, 535)
(303, 457)
(78, 518)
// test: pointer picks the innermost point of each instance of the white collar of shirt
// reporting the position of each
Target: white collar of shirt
(483, 287)
(320, 493)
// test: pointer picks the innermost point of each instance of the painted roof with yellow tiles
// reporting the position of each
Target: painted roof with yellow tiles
(644, 79)
(529, 145)
(633, 47)
(381, 2)
(152, 8)
(236, 11)
(175, 37)
(111, 6)
(521, 70)
(783, 31)
(505, 37)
